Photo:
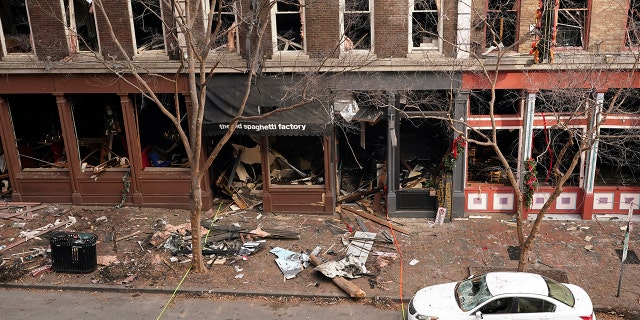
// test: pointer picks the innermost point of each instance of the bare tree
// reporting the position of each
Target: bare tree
(197, 44)
(573, 117)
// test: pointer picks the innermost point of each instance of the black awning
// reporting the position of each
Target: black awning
(225, 94)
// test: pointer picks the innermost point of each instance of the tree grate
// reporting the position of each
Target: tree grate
(514, 252)
(632, 258)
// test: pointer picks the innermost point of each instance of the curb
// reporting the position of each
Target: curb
(199, 291)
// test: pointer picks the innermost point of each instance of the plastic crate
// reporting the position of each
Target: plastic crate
(73, 252)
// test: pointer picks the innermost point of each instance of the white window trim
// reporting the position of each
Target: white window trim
(274, 32)
(342, 35)
(70, 26)
(207, 5)
(154, 54)
(21, 56)
(438, 46)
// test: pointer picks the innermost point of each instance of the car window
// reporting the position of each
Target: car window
(529, 305)
(472, 292)
(504, 305)
(560, 292)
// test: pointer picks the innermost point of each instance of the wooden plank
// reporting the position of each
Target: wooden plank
(373, 218)
(36, 235)
(344, 284)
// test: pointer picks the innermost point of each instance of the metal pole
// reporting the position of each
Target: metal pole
(625, 247)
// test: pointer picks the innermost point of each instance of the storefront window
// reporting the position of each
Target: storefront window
(618, 158)
(159, 140)
(423, 144)
(484, 165)
(547, 144)
(506, 102)
(296, 160)
(36, 123)
(100, 131)
(564, 101)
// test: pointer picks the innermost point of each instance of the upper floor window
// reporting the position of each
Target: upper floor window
(501, 24)
(147, 25)
(224, 28)
(81, 25)
(15, 27)
(356, 24)
(425, 28)
(287, 25)
(571, 27)
(633, 24)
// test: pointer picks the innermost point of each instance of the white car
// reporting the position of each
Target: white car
(502, 295)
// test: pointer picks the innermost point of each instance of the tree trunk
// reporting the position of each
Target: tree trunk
(196, 210)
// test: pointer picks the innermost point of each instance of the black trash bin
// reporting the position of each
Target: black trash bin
(73, 252)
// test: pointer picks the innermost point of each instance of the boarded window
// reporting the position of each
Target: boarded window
(356, 24)
(147, 25)
(572, 20)
(501, 24)
(424, 24)
(15, 26)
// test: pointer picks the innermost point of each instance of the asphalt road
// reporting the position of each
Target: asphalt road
(74, 305)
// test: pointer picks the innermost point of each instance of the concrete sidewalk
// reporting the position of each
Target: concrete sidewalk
(586, 253)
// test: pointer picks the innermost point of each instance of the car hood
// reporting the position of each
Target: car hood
(583, 304)
(436, 300)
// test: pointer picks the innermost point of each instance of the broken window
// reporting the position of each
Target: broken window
(288, 25)
(633, 24)
(627, 101)
(81, 25)
(296, 160)
(147, 25)
(506, 102)
(161, 145)
(356, 24)
(37, 128)
(16, 30)
(484, 166)
(618, 157)
(224, 30)
(546, 146)
(427, 102)
(423, 144)
(572, 21)
(237, 170)
(424, 24)
(100, 131)
(567, 102)
(501, 24)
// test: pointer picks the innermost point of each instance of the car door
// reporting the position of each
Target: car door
(531, 308)
(499, 308)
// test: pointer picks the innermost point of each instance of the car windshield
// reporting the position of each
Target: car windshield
(472, 292)
(560, 292)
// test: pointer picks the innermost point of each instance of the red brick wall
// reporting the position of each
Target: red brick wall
(608, 25)
(449, 27)
(47, 29)
(119, 16)
(323, 28)
(391, 28)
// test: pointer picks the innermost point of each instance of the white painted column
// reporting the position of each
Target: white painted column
(463, 37)
(592, 155)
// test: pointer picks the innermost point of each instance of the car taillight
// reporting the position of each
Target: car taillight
(589, 317)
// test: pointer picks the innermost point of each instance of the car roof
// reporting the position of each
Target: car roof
(516, 283)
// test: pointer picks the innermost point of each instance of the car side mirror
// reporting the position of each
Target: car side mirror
(479, 315)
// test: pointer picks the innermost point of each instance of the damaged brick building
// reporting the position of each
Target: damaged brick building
(388, 77)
